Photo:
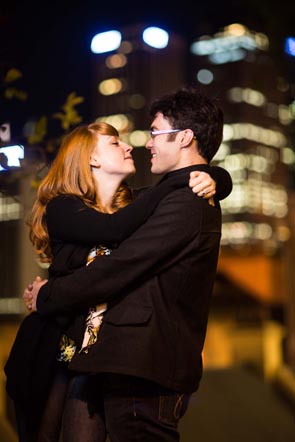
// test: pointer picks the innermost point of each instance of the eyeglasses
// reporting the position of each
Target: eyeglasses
(154, 133)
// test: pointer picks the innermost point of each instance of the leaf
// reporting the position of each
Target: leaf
(12, 74)
(58, 115)
(12, 92)
(9, 93)
(35, 183)
(21, 95)
(40, 130)
(70, 116)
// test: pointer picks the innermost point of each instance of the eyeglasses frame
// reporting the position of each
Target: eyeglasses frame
(154, 133)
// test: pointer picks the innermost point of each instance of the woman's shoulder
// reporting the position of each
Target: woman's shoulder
(64, 200)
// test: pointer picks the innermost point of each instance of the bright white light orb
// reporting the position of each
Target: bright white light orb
(205, 76)
(155, 37)
(106, 42)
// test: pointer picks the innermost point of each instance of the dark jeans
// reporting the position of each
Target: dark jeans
(87, 408)
(47, 428)
(132, 409)
(25, 434)
(139, 410)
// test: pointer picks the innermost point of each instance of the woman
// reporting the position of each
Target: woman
(76, 210)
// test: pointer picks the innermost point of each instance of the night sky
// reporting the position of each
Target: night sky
(49, 41)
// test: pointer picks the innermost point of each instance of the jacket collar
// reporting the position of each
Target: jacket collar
(185, 171)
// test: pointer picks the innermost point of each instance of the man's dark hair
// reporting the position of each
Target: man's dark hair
(188, 108)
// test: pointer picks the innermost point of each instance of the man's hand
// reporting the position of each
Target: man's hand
(203, 185)
(31, 293)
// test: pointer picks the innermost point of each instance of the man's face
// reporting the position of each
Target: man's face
(165, 154)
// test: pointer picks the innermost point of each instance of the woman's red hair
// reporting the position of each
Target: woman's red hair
(70, 174)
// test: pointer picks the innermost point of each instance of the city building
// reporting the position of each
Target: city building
(235, 65)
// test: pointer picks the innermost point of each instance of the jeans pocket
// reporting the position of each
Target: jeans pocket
(172, 407)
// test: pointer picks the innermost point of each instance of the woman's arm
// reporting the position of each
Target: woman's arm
(223, 181)
(70, 220)
(222, 178)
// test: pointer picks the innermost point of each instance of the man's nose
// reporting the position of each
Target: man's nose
(149, 143)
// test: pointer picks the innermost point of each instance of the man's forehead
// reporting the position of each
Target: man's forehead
(160, 121)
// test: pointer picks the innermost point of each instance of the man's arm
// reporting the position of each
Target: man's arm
(152, 248)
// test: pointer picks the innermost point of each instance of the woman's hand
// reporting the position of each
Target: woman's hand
(31, 293)
(203, 185)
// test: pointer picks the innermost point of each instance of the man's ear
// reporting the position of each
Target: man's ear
(187, 137)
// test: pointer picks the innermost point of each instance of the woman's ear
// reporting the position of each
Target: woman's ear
(94, 162)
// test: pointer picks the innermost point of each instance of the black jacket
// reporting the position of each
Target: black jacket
(158, 285)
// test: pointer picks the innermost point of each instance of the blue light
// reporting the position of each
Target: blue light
(106, 42)
(155, 37)
(290, 46)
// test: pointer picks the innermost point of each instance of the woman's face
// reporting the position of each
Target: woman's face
(112, 156)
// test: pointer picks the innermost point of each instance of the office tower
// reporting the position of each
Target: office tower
(235, 66)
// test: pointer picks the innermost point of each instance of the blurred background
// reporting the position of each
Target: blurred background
(60, 65)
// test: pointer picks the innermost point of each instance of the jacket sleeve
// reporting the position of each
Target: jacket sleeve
(70, 220)
(154, 246)
(223, 181)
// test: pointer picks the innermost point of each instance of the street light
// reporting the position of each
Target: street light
(290, 46)
(155, 37)
(106, 42)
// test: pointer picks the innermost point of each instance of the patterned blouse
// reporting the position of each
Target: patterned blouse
(67, 346)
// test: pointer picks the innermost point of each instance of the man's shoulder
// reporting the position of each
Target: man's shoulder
(185, 201)
(185, 207)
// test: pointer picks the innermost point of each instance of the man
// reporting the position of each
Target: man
(157, 284)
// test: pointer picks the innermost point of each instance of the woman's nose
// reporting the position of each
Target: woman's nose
(128, 148)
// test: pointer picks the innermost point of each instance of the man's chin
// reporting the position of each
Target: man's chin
(156, 171)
